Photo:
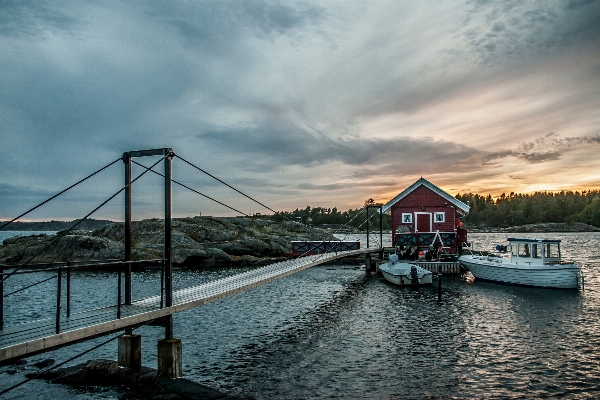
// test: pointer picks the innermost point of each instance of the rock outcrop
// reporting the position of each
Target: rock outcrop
(538, 228)
(197, 242)
(136, 384)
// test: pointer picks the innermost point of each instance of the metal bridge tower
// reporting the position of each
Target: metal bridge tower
(169, 349)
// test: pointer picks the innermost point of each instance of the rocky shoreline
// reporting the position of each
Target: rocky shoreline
(198, 242)
(142, 383)
(559, 227)
(202, 242)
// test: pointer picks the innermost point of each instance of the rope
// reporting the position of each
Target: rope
(58, 365)
(189, 188)
(63, 233)
(58, 194)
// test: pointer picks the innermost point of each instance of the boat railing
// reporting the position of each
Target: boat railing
(469, 248)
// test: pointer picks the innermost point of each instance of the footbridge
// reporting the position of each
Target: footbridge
(34, 337)
(37, 337)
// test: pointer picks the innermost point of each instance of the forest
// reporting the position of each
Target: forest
(513, 209)
(541, 207)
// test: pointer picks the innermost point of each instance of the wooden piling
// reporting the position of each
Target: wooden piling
(130, 351)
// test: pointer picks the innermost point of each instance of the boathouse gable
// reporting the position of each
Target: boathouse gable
(428, 212)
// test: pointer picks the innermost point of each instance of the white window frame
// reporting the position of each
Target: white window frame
(435, 217)
(407, 218)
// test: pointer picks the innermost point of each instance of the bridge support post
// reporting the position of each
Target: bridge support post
(127, 239)
(130, 351)
(169, 358)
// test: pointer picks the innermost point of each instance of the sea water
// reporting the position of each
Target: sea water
(333, 331)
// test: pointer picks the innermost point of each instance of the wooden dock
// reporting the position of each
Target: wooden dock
(441, 267)
(436, 267)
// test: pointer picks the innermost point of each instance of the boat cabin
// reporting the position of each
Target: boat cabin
(424, 215)
(536, 251)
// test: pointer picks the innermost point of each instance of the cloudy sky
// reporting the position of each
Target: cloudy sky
(320, 103)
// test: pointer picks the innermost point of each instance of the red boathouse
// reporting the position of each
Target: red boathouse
(421, 211)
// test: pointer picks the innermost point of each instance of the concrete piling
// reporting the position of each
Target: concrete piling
(130, 351)
(169, 358)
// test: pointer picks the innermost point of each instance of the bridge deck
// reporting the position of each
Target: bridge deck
(39, 336)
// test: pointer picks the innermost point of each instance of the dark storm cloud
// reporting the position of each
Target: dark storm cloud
(547, 148)
(263, 92)
(31, 18)
(219, 25)
(518, 31)
(287, 144)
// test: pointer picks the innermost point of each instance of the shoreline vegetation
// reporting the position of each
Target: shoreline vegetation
(486, 213)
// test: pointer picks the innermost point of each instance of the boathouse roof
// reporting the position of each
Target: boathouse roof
(424, 182)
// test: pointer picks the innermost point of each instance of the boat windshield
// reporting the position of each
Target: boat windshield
(552, 250)
(524, 250)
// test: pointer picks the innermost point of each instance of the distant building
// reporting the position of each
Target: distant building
(421, 211)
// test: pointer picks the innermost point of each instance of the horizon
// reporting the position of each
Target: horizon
(495, 199)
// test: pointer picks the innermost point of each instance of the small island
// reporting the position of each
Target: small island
(198, 242)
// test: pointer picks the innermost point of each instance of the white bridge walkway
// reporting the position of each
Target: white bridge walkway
(40, 336)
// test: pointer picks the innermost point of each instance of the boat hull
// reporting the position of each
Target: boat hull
(397, 275)
(497, 270)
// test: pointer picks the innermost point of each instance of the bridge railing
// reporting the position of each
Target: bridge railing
(66, 268)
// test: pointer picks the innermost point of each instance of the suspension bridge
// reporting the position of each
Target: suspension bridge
(38, 336)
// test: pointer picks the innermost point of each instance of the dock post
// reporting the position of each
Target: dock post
(58, 296)
(368, 262)
(169, 358)
(439, 287)
(1, 298)
(381, 230)
(130, 351)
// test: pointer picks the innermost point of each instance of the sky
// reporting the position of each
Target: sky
(295, 103)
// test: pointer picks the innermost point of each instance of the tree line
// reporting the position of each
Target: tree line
(517, 209)
(513, 209)
(352, 218)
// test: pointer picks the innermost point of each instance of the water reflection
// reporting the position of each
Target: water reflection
(330, 331)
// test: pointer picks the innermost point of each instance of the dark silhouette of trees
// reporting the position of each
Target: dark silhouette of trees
(331, 216)
(506, 210)
(540, 207)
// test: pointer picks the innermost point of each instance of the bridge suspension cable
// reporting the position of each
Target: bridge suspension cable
(224, 183)
(63, 233)
(189, 188)
(32, 285)
(58, 194)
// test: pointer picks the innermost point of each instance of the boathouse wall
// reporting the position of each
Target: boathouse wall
(422, 204)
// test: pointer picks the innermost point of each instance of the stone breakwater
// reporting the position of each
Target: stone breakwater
(198, 242)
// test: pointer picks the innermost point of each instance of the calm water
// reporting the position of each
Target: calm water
(332, 332)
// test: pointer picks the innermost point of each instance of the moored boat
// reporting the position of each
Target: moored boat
(405, 274)
(528, 262)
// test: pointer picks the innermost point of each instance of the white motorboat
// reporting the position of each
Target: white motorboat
(528, 262)
(405, 274)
